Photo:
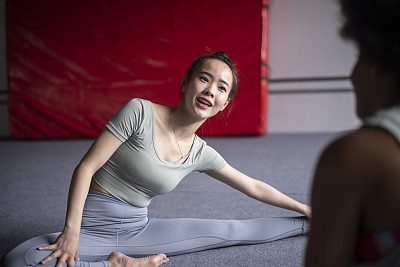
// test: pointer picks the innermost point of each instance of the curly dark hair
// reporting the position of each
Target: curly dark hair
(220, 55)
(374, 26)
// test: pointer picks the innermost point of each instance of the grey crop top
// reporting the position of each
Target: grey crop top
(388, 119)
(135, 173)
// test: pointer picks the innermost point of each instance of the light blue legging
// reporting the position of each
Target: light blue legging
(110, 225)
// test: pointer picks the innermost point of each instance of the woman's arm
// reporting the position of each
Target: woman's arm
(259, 190)
(66, 246)
(340, 184)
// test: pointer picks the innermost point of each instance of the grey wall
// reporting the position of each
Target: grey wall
(309, 63)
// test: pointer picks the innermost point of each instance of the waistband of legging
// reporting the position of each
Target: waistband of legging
(100, 204)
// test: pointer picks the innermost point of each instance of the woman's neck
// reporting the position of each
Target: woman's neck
(184, 123)
(389, 92)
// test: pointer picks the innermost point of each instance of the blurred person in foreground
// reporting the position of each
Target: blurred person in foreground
(356, 190)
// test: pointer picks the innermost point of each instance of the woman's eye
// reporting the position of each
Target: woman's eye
(204, 79)
(222, 88)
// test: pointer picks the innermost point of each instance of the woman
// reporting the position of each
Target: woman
(356, 191)
(145, 150)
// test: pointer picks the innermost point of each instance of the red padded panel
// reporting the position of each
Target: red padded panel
(72, 64)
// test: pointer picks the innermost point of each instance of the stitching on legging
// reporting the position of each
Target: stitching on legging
(119, 229)
(223, 240)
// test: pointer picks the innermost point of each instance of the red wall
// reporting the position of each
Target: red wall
(72, 64)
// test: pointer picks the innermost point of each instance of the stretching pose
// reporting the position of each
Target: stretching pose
(146, 150)
(356, 191)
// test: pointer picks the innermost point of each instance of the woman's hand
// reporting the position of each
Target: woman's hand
(307, 211)
(65, 249)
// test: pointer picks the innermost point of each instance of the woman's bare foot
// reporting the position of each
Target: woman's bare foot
(117, 259)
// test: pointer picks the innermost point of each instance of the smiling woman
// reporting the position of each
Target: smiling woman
(222, 56)
(145, 150)
(209, 89)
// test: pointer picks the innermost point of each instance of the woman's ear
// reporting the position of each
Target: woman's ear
(184, 83)
(226, 104)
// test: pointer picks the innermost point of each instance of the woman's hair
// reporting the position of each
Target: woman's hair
(220, 55)
(374, 26)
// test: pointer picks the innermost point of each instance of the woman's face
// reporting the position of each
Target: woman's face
(375, 89)
(207, 92)
(365, 87)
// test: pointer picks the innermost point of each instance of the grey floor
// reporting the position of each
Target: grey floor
(35, 175)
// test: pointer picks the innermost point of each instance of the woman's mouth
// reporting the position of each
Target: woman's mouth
(204, 103)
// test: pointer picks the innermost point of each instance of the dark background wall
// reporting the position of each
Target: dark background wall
(4, 128)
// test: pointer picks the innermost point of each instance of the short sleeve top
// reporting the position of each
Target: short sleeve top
(135, 173)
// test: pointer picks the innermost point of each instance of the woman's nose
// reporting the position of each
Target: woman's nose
(209, 91)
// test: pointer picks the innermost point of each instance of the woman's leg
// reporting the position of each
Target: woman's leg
(110, 225)
(101, 220)
(179, 236)
(27, 254)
